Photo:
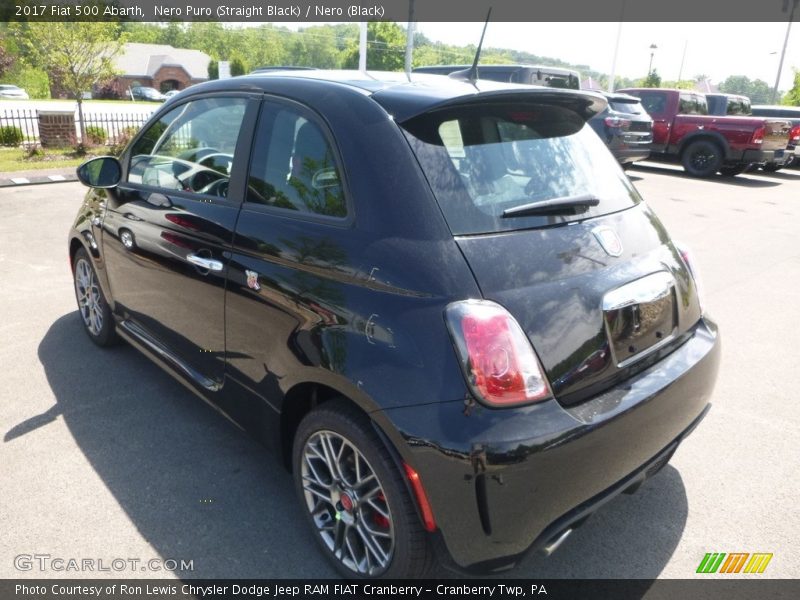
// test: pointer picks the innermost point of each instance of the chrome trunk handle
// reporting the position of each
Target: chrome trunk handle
(647, 289)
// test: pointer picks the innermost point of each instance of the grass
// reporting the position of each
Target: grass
(14, 159)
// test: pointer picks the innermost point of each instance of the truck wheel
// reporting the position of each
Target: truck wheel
(702, 158)
(771, 167)
(733, 170)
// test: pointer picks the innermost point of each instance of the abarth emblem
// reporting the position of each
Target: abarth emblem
(252, 280)
(609, 240)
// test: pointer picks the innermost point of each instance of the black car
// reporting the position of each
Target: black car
(625, 127)
(525, 74)
(146, 93)
(441, 302)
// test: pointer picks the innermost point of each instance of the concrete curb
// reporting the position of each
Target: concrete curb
(37, 179)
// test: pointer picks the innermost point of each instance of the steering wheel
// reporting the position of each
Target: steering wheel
(216, 188)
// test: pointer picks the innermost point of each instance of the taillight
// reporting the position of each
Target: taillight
(617, 122)
(794, 135)
(758, 135)
(496, 357)
(688, 259)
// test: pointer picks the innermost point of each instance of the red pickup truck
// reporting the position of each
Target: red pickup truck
(705, 144)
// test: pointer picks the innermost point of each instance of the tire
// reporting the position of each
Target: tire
(732, 171)
(701, 158)
(342, 513)
(772, 167)
(95, 313)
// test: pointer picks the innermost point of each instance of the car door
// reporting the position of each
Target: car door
(291, 261)
(168, 226)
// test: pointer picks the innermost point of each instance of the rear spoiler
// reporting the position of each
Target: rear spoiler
(407, 105)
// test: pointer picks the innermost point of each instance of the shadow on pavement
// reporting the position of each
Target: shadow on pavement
(197, 488)
(633, 536)
(742, 180)
(194, 485)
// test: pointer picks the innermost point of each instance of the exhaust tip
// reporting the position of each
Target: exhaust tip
(554, 544)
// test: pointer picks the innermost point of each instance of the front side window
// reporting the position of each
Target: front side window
(191, 148)
(293, 165)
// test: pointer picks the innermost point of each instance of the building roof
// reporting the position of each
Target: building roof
(144, 60)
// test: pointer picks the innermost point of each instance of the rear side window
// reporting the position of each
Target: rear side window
(691, 104)
(293, 165)
(483, 159)
(738, 106)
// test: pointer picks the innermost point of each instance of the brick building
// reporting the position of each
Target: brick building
(159, 66)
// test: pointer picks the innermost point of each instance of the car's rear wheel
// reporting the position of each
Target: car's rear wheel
(701, 158)
(92, 306)
(354, 497)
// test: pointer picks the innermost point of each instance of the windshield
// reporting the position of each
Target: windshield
(482, 160)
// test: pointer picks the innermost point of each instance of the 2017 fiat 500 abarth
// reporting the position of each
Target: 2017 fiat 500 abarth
(441, 301)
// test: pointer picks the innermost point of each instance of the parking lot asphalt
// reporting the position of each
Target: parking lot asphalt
(104, 456)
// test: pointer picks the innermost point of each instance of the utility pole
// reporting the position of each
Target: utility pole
(613, 75)
(410, 38)
(683, 57)
(362, 47)
(785, 42)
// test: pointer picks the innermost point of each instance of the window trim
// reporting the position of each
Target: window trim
(313, 116)
(238, 176)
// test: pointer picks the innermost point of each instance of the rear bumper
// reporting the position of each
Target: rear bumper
(629, 150)
(778, 157)
(502, 482)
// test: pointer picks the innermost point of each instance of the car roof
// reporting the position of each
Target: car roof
(404, 97)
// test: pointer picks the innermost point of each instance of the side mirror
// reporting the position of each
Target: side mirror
(100, 172)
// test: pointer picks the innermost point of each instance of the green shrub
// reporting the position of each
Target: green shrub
(96, 135)
(122, 140)
(10, 135)
(34, 81)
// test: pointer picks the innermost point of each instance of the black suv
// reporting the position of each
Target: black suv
(441, 302)
(625, 127)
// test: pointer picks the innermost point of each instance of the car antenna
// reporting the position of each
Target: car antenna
(471, 74)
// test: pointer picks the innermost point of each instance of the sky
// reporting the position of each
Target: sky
(714, 49)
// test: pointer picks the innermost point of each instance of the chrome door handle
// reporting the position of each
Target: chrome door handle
(204, 263)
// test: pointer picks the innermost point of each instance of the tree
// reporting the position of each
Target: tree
(757, 90)
(386, 43)
(213, 70)
(237, 66)
(77, 56)
(7, 59)
(653, 80)
(792, 97)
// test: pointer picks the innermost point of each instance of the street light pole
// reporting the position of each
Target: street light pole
(785, 42)
(653, 49)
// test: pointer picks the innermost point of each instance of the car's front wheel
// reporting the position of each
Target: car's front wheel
(354, 498)
(94, 310)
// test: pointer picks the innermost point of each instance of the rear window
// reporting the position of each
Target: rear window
(631, 108)
(484, 159)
